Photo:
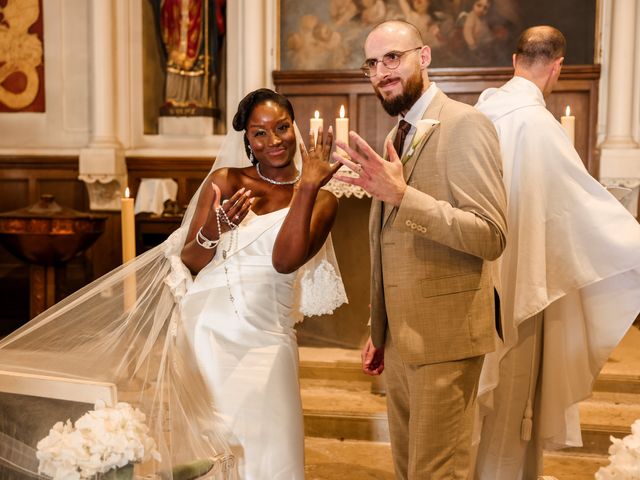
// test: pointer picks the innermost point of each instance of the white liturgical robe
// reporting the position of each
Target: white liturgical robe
(572, 250)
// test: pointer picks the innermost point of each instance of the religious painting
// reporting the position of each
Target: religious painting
(21, 56)
(461, 33)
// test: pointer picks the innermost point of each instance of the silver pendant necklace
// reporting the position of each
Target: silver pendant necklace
(277, 182)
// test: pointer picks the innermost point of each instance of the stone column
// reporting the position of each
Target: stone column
(622, 62)
(620, 153)
(102, 164)
(254, 42)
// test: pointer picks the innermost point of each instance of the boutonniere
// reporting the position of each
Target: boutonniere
(424, 126)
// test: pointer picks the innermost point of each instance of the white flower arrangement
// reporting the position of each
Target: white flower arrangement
(423, 126)
(103, 439)
(624, 457)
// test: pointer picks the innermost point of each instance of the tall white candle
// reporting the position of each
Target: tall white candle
(568, 121)
(128, 227)
(342, 129)
(315, 124)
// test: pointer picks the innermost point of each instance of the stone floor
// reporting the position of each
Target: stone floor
(347, 436)
(330, 459)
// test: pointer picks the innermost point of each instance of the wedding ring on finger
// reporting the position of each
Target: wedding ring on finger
(358, 169)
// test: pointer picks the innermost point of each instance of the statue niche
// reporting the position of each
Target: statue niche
(191, 33)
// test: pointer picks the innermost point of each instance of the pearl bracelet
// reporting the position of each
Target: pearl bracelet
(204, 242)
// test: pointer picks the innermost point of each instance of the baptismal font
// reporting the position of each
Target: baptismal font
(47, 235)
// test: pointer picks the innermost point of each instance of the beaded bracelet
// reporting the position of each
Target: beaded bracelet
(204, 242)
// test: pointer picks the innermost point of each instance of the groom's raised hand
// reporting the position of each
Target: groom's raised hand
(380, 178)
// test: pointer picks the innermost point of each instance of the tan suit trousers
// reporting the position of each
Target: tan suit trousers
(431, 412)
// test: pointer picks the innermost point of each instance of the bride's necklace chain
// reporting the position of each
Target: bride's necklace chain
(278, 182)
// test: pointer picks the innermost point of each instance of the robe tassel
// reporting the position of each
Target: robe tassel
(527, 423)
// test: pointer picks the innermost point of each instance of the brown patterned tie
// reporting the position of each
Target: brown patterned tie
(401, 135)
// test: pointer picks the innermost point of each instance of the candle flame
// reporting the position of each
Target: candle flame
(568, 111)
(127, 194)
(341, 111)
(317, 114)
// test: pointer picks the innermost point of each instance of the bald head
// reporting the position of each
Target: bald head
(540, 45)
(409, 33)
(396, 64)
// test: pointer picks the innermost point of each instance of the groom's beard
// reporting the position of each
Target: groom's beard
(401, 103)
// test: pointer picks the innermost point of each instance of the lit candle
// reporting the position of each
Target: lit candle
(342, 130)
(568, 121)
(128, 227)
(315, 124)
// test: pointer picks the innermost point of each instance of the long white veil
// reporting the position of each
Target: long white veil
(120, 338)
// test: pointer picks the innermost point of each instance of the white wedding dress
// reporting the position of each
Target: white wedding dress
(239, 315)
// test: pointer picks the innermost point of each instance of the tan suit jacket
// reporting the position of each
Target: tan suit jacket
(431, 283)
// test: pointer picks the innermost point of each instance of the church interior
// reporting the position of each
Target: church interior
(111, 115)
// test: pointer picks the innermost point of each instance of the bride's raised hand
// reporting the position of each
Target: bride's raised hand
(316, 168)
(229, 213)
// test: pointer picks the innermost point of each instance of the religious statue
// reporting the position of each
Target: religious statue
(191, 32)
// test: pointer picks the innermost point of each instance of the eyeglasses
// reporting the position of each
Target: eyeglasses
(390, 60)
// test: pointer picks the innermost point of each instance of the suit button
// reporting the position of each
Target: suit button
(414, 226)
(408, 223)
(423, 229)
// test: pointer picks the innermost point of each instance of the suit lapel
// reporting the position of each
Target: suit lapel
(432, 111)
(410, 163)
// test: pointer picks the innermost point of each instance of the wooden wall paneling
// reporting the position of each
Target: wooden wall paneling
(582, 96)
(191, 187)
(347, 326)
(106, 253)
(373, 123)
(328, 106)
(353, 108)
(187, 172)
(578, 86)
(68, 192)
(15, 193)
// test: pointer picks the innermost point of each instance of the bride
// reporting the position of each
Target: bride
(211, 360)
(239, 312)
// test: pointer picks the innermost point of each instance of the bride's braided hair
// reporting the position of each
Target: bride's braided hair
(249, 102)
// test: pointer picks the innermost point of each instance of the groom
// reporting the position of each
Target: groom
(437, 217)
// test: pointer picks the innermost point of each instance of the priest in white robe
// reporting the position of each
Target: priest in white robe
(569, 278)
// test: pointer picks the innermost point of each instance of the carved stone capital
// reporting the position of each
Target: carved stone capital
(104, 172)
(625, 189)
(104, 191)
